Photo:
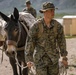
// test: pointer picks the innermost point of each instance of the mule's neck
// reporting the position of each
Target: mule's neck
(23, 36)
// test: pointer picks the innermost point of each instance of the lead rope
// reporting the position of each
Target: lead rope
(18, 62)
(19, 33)
(25, 28)
(16, 52)
(62, 69)
(2, 47)
(2, 55)
(32, 69)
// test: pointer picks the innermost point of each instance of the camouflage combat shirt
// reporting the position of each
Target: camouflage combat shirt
(31, 10)
(37, 47)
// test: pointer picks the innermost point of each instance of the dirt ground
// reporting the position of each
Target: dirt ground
(5, 68)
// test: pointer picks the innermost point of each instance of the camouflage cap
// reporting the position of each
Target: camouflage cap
(47, 6)
(28, 2)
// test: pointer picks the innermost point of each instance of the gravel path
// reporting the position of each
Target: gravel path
(5, 68)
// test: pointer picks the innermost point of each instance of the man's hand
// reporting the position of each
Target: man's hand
(29, 64)
(64, 61)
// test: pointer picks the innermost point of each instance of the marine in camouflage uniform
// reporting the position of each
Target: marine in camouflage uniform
(41, 47)
(30, 9)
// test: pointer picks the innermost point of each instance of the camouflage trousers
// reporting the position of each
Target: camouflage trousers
(46, 67)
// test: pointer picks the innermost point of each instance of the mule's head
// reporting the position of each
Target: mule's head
(12, 31)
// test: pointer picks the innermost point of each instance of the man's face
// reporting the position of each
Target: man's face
(28, 5)
(50, 13)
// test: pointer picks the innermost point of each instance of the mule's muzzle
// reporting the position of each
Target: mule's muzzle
(10, 54)
(11, 48)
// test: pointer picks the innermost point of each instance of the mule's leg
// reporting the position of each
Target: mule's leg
(25, 70)
(14, 66)
(20, 71)
(21, 58)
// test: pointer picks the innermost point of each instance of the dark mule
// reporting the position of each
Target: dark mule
(15, 41)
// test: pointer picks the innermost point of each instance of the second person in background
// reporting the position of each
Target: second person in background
(30, 9)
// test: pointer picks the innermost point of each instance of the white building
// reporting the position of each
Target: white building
(69, 23)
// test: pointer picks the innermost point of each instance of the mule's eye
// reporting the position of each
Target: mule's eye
(16, 29)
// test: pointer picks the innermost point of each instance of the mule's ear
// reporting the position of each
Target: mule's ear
(16, 14)
(12, 17)
(5, 18)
